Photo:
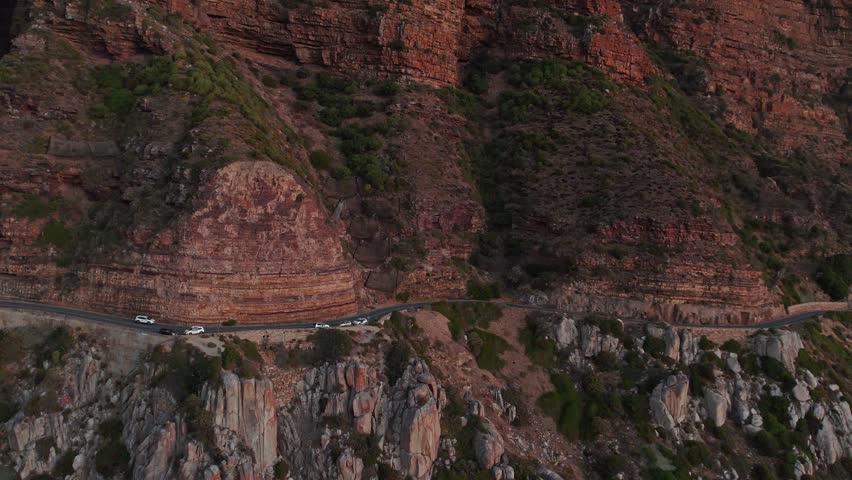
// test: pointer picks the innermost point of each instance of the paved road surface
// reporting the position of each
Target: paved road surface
(370, 316)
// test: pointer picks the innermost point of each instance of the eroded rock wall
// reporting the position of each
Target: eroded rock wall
(257, 247)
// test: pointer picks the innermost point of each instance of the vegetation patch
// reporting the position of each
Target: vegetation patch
(487, 347)
(834, 275)
(464, 316)
(34, 207)
(564, 405)
(112, 458)
(330, 345)
(538, 344)
(185, 369)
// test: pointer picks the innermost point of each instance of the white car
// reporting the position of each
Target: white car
(144, 319)
(322, 325)
(347, 323)
(194, 330)
(361, 321)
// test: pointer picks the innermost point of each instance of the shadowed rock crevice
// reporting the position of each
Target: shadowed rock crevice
(7, 15)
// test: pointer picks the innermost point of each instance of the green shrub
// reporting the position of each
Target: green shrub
(539, 347)
(696, 453)
(487, 347)
(186, 369)
(8, 409)
(654, 346)
(609, 466)
(607, 325)
(776, 370)
(732, 346)
(463, 316)
(112, 457)
(33, 207)
(397, 359)
(482, 291)
(401, 325)
(834, 275)
(761, 472)
(57, 234)
(706, 344)
(331, 345)
(250, 350)
(606, 361)
(320, 160)
(269, 81)
(200, 424)
(57, 343)
(229, 323)
(281, 470)
(387, 88)
(564, 405)
(65, 464)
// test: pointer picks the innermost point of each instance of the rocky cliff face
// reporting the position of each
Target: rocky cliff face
(771, 59)
(82, 420)
(245, 410)
(634, 201)
(423, 41)
(256, 248)
(404, 419)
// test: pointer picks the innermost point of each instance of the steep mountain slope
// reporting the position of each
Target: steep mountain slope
(268, 161)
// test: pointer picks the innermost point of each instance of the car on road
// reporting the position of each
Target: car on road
(361, 321)
(347, 323)
(194, 330)
(166, 331)
(144, 319)
(322, 325)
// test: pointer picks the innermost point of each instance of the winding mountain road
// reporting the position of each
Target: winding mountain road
(370, 316)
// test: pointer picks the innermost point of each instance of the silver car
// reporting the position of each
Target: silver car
(144, 319)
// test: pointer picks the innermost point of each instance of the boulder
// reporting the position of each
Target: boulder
(801, 392)
(716, 406)
(669, 401)
(733, 363)
(782, 345)
(349, 466)
(828, 445)
(487, 444)
(688, 347)
(672, 340)
(566, 332)
(810, 379)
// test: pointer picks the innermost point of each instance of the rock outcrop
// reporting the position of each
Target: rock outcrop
(782, 345)
(487, 444)
(669, 402)
(405, 418)
(593, 342)
(716, 405)
(566, 332)
(257, 248)
(246, 408)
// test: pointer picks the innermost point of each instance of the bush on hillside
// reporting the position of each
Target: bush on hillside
(834, 275)
(331, 345)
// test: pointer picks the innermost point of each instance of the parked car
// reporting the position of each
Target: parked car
(361, 321)
(144, 319)
(347, 323)
(322, 325)
(166, 331)
(194, 330)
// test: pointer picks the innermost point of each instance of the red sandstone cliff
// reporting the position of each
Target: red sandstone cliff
(256, 244)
